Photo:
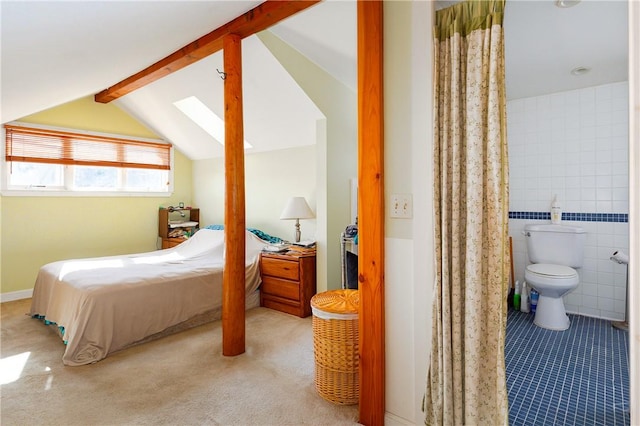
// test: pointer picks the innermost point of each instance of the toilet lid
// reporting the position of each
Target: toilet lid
(552, 270)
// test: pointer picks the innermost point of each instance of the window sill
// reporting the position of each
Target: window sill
(105, 194)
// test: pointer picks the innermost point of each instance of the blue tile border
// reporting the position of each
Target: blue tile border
(578, 217)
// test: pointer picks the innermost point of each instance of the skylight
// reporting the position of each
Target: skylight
(197, 111)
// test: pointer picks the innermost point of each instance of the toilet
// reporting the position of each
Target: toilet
(554, 252)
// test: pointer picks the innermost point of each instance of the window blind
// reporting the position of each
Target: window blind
(57, 147)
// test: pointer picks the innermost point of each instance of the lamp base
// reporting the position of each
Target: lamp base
(298, 233)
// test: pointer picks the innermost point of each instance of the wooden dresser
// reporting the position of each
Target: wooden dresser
(288, 281)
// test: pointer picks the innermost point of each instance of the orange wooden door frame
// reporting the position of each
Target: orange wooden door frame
(371, 212)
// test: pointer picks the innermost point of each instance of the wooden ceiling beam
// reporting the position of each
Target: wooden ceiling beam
(257, 19)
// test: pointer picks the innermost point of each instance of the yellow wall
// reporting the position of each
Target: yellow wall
(85, 114)
(38, 230)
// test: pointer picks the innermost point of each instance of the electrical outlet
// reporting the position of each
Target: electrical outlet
(401, 206)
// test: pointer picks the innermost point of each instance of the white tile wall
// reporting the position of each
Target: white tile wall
(575, 144)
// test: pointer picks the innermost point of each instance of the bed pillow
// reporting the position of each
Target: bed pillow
(258, 233)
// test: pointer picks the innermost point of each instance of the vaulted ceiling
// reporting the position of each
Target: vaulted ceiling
(57, 51)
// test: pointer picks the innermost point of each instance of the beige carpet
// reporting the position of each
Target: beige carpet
(181, 379)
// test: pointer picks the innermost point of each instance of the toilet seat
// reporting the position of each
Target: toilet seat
(548, 274)
(552, 271)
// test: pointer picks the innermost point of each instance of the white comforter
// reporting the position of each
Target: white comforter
(105, 304)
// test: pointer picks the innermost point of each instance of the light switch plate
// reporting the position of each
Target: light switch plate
(401, 206)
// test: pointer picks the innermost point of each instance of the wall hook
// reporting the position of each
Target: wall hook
(223, 75)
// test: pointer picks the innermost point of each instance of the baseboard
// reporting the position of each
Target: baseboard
(393, 420)
(16, 295)
(595, 316)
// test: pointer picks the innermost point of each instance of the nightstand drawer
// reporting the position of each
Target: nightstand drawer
(280, 268)
(172, 242)
(283, 288)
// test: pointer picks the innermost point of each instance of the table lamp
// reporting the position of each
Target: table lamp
(297, 208)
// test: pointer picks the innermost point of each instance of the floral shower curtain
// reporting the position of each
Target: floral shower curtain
(466, 382)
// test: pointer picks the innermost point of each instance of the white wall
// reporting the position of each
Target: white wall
(270, 179)
(409, 242)
(575, 144)
(422, 177)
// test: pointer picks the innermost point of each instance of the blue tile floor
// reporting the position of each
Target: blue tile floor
(579, 376)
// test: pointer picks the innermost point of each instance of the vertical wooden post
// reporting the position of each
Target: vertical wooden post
(233, 290)
(371, 212)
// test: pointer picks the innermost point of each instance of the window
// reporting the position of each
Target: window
(56, 160)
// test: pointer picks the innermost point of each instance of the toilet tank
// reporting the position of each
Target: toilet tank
(556, 244)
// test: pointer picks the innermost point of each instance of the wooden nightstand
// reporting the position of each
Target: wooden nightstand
(288, 282)
(187, 221)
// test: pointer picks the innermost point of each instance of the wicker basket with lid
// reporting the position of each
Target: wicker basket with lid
(335, 345)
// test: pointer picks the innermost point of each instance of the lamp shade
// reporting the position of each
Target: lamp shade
(297, 208)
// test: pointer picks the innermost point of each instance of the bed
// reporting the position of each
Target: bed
(105, 304)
